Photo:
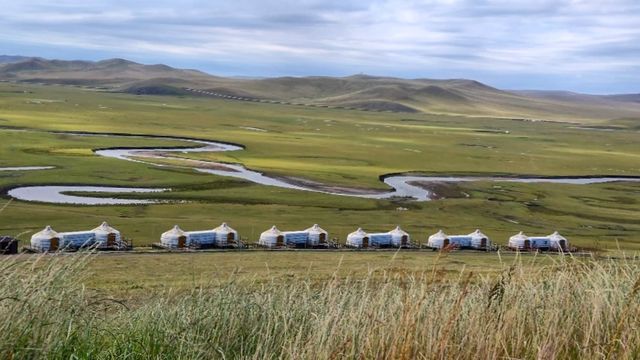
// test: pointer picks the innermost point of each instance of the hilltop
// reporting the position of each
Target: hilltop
(376, 93)
(5, 59)
(107, 73)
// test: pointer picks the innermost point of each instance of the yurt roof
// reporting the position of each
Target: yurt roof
(398, 231)
(556, 236)
(47, 232)
(175, 231)
(519, 236)
(105, 227)
(224, 227)
(316, 228)
(273, 231)
(439, 235)
(358, 232)
(478, 233)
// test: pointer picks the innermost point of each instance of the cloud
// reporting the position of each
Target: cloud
(508, 43)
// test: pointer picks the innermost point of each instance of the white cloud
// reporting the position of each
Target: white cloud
(490, 39)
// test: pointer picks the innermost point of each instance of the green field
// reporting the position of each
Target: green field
(338, 147)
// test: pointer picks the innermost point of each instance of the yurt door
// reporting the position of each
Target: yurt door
(483, 243)
(365, 242)
(323, 238)
(182, 241)
(527, 244)
(445, 243)
(280, 240)
(54, 244)
(404, 240)
(230, 238)
(111, 239)
(562, 244)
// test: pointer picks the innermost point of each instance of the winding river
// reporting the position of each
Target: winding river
(403, 186)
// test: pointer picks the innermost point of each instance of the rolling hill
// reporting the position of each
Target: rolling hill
(453, 96)
(110, 73)
(6, 59)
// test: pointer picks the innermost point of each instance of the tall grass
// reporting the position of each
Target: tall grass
(581, 310)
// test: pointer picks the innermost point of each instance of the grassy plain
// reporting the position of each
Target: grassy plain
(111, 273)
(570, 310)
(332, 146)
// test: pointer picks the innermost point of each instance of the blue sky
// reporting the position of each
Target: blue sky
(586, 46)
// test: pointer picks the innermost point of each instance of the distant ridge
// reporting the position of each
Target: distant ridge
(5, 59)
(625, 97)
(365, 92)
(110, 72)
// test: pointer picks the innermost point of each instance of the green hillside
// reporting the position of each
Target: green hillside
(453, 97)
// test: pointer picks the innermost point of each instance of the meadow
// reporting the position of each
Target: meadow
(332, 146)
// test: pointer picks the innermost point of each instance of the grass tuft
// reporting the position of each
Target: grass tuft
(571, 309)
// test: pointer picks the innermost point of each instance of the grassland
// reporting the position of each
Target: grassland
(450, 97)
(332, 146)
(111, 273)
(570, 310)
(325, 305)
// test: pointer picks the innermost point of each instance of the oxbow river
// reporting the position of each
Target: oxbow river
(402, 186)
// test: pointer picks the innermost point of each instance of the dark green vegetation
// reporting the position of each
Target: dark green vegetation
(569, 310)
(331, 146)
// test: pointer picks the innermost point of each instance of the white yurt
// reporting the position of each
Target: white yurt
(46, 240)
(175, 238)
(106, 236)
(226, 236)
(479, 240)
(399, 237)
(272, 238)
(438, 240)
(558, 242)
(519, 241)
(317, 235)
(358, 239)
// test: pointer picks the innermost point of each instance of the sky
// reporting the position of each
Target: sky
(586, 46)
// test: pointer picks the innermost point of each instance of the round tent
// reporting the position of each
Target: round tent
(439, 240)
(317, 235)
(225, 235)
(46, 240)
(480, 240)
(271, 238)
(106, 236)
(175, 238)
(358, 239)
(520, 241)
(399, 237)
(558, 242)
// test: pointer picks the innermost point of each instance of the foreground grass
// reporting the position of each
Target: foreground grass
(133, 276)
(570, 309)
